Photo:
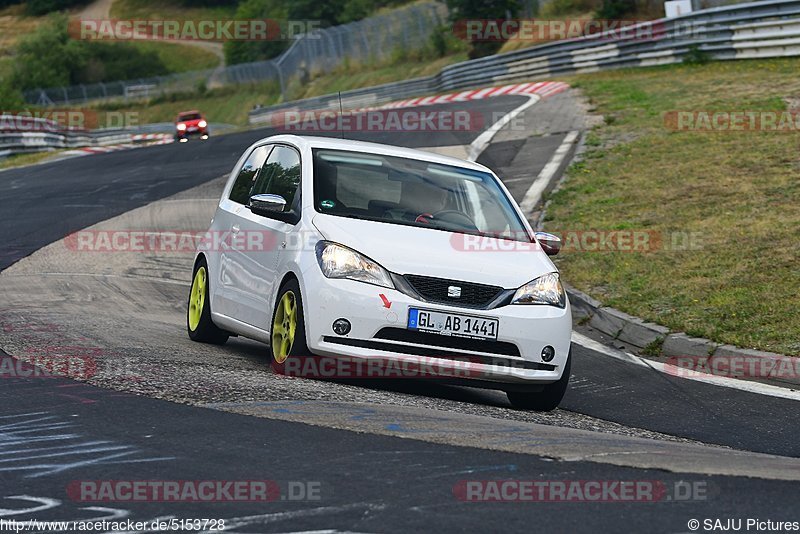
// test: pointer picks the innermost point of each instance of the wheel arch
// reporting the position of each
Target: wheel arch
(200, 256)
(288, 276)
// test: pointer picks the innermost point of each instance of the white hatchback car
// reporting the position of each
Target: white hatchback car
(330, 248)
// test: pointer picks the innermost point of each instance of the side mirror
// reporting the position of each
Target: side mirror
(267, 205)
(550, 243)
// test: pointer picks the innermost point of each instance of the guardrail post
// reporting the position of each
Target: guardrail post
(280, 79)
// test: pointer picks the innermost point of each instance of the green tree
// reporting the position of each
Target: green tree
(616, 9)
(358, 9)
(327, 12)
(10, 97)
(42, 7)
(463, 10)
(106, 62)
(482, 9)
(209, 3)
(323, 13)
(247, 51)
(48, 57)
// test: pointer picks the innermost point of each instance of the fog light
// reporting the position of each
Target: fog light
(341, 326)
(548, 353)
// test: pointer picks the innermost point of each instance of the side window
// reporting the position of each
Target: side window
(281, 176)
(240, 192)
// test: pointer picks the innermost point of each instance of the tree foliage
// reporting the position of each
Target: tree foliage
(43, 7)
(616, 9)
(462, 10)
(321, 13)
(50, 58)
(247, 51)
(482, 9)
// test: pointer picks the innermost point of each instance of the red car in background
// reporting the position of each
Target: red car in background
(190, 123)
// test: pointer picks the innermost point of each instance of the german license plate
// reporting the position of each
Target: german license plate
(452, 324)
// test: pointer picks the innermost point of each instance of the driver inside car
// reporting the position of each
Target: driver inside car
(419, 201)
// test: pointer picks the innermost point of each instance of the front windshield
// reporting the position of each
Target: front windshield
(412, 192)
(189, 117)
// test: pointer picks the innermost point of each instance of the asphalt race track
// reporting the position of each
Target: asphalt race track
(385, 456)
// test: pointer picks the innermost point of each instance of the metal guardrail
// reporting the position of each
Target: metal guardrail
(43, 135)
(740, 31)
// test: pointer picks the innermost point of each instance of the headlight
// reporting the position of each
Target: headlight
(546, 289)
(181, 126)
(202, 124)
(337, 261)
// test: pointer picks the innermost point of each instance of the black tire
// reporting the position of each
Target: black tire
(205, 331)
(545, 400)
(299, 347)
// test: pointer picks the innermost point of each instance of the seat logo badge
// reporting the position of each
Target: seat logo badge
(454, 292)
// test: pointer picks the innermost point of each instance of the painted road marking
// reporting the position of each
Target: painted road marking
(480, 143)
(537, 188)
(672, 370)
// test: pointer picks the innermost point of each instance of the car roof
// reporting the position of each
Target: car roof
(374, 148)
(192, 111)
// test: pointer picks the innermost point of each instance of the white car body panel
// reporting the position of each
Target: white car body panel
(430, 252)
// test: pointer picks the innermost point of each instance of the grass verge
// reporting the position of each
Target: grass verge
(180, 57)
(21, 160)
(14, 24)
(169, 10)
(739, 191)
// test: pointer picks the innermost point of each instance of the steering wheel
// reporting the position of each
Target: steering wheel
(448, 217)
(455, 217)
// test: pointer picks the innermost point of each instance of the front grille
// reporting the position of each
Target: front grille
(442, 354)
(436, 290)
(450, 342)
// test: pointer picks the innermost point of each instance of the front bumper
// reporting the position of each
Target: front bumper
(185, 134)
(379, 332)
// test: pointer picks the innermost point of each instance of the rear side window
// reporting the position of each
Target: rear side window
(280, 176)
(240, 192)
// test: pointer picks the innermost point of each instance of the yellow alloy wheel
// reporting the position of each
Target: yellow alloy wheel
(197, 298)
(283, 327)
